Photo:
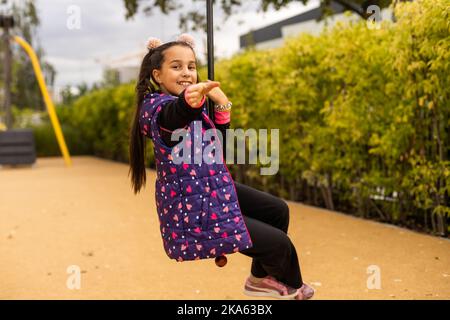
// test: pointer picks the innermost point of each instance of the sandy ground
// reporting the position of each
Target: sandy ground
(53, 217)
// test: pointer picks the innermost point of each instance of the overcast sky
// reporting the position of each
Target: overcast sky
(104, 34)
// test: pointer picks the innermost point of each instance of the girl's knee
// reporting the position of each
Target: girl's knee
(283, 211)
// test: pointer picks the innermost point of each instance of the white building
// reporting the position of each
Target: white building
(274, 35)
(127, 66)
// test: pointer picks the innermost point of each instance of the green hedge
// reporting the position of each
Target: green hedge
(364, 117)
(95, 124)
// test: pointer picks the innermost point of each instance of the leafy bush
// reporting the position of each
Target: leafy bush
(363, 116)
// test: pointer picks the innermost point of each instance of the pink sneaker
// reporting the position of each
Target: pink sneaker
(270, 287)
(305, 292)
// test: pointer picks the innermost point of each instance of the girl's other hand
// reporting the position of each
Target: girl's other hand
(194, 94)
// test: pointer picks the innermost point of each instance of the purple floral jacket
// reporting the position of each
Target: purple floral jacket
(197, 204)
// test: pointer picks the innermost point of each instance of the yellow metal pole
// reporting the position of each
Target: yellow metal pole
(48, 101)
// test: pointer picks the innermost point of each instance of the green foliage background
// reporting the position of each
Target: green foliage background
(364, 117)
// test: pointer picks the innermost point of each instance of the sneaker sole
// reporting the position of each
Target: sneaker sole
(313, 292)
(271, 294)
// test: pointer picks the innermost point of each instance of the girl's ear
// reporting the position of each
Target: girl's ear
(155, 74)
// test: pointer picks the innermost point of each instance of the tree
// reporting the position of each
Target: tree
(198, 19)
(69, 94)
(111, 78)
(25, 89)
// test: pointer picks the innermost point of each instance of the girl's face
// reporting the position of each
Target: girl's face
(178, 71)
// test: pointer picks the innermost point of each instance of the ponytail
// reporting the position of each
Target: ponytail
(152, 60)
(137, 146)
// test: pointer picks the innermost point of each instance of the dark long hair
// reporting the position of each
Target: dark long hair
(154, 59)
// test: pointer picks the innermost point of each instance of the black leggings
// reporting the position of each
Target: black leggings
(267, 220)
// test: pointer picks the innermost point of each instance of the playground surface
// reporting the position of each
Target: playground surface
(53, 217)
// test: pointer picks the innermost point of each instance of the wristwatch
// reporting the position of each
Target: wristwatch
(221, 107)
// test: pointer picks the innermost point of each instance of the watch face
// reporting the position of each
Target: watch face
(226, 107)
